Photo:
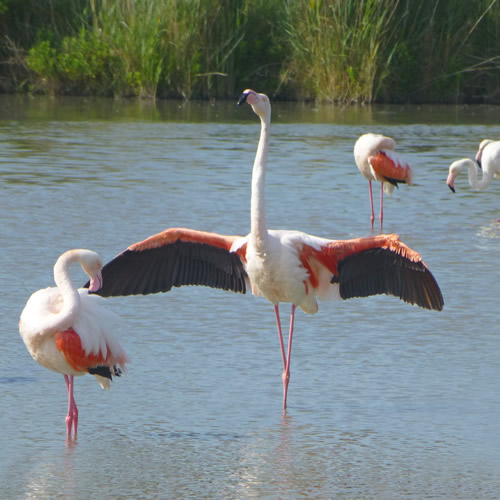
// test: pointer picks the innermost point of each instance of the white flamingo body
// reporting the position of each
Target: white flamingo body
(487, 157)
(70, 332)
(278, 274)
(376, 159)
(280, 265)
(94, 323)
(272, 257)
(367, 147)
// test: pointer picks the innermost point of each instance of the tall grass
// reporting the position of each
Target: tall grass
(186, 48)
(337, 51)
(444, 51)
(160, 46)
(333, 50)
(391, 50)
(168, 48)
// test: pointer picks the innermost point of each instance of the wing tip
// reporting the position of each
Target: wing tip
(399, 272)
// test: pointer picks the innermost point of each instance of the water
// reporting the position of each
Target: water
(386, 400)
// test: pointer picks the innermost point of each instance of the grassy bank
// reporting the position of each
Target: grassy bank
(333, 50)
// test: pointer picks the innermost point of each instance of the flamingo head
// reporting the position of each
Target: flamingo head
(92, 264)
(259, 102)
(455, 168)
(369, 145)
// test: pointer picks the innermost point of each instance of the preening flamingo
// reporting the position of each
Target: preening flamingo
(487, 157)
(377, 161)
(281, 265)
(69, 331)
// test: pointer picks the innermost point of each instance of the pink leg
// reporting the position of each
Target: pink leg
(286, 373)
(372, 218)
(277, 312)
(381, 216)
(72, 416)
(286, 359)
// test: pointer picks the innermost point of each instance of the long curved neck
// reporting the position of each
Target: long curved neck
(258, 225)
(70, 296)
(473, 179)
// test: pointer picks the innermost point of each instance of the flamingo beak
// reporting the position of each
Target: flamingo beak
(95, 282)
(479, 158)
(451, 181)
(243, 98)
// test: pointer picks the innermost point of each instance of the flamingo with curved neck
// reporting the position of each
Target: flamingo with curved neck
(487, 158)
(70, 332)
(280, 265)
(377, 160)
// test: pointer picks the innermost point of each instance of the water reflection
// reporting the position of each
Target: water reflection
(49, 475)
(68, 485)
(94, 109)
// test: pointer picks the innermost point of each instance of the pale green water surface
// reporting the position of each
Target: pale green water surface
(386, 400)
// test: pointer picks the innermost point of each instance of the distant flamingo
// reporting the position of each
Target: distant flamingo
(281, 265)
(70, 332)
(487, 157)
(375, 157)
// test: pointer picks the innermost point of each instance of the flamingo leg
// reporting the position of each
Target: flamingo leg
(280, 335)
(286, 358)
(72, 416)
(381, 216)
(372, 218)
(286, 373)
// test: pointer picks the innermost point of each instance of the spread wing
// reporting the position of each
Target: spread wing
(175, 257)
(377, 265)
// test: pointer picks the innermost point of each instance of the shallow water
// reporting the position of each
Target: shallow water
(386, 400)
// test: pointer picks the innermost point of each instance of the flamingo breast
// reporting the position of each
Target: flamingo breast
(276, 272)
(48, 355)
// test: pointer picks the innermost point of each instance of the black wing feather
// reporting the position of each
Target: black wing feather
(380, 270)
(141, 272)
(394, 182)
(105, 371)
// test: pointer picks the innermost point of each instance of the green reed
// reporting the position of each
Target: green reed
(392, 50)
(337, 51)
(328, 50)
(444, 50)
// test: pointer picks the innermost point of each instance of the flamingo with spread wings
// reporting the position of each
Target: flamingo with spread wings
(280, 265)
(377, 161)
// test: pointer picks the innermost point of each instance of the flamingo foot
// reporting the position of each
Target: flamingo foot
(72, 421)
(75, 422)
(69, 425)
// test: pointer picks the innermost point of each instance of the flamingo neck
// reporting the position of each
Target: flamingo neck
(258, 225)
(473, 177)
(70, 296)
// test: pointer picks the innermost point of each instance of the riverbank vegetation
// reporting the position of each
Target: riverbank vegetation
(327, 50)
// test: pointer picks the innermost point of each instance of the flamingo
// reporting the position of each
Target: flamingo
(375, 157)
(487, 158)
(280, 265)
(70, 332)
